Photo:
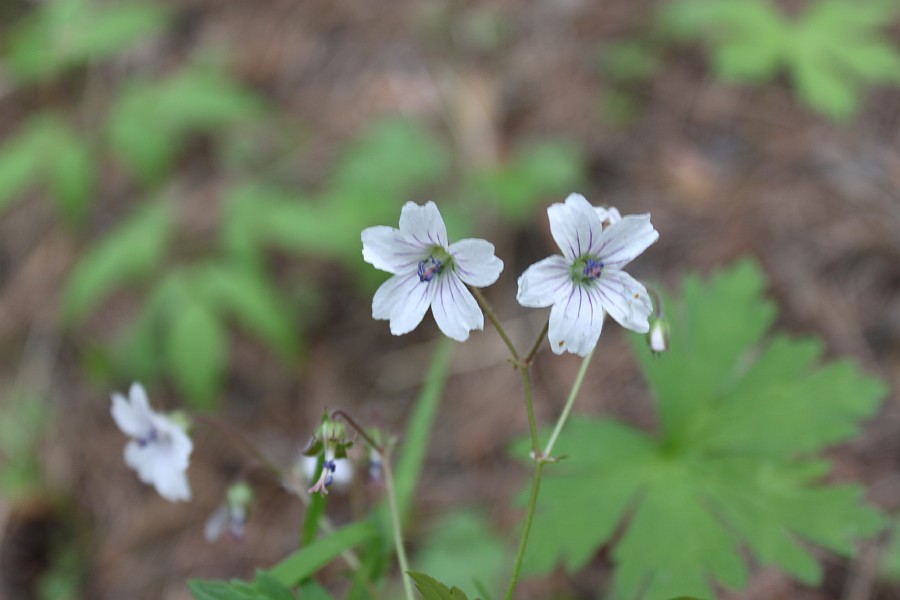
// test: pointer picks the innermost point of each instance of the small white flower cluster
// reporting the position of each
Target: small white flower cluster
(581, 285)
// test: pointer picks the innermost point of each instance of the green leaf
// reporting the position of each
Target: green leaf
(306, 561)
(463, 547)
(21, 161)
(66, 33)
(532, 176)
(264, 587)
(46, 149)
(432, 589)
(734, 468)
(830, 51)
(418, 428)
(245, 294)
(131, 251)
(392, 158)
(152, 119)
(196, 352)
(71, 174)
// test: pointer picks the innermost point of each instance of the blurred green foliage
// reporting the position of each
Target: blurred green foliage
(831, 51)
(463, 548)
(24, 419)
(432, 589)
(191, 292)
(735, 465)
(61, 34)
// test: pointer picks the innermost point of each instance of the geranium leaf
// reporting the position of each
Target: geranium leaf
(733, 468)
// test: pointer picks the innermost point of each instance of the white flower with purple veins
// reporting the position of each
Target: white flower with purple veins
(428, 271)
(159, 449)
(587, 280)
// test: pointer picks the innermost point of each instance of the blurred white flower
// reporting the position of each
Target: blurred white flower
(587, 281)
(159, 449)
(428, 272)
(231, 516)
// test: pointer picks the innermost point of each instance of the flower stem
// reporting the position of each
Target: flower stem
(576, 387)
(489, 311)
(392, 497)
(395, 521)
(529, 517)
(537, 344)
(529, 407)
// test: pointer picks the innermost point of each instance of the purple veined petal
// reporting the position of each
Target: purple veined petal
(404, 300)
(389, 249)
(423, 224)
(455, 309)
(622, 242)
(625, 299)
(133, 421)
(575, 226)
(545, 282)
(475, 263)
(576, 322)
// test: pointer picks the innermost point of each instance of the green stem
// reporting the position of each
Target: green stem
(576, 387)
(529, 517)
(492, 317)
(395, 520)
(537, 344)
(529, 407)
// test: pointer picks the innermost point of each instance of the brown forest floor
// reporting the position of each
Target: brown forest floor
(725, 171)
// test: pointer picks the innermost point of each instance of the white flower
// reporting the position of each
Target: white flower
(159, 449)
(587, 280)
(428, 271)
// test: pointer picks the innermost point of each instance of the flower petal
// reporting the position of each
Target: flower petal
(155, 466)
(132, 420)
(576, 322)
(403, 299)
(545, 282)
(575, 226)
(389, 249)
(623, 241)
(625, 299)
(455, 309)
(475, 262)
(423, 224)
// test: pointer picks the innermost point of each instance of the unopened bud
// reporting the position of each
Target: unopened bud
(658, 336)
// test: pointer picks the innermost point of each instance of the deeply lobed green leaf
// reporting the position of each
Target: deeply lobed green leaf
(733, 467)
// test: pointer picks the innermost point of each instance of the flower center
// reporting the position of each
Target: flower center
(592, 269)
(150, 438)
(429, 267)
(586, 269)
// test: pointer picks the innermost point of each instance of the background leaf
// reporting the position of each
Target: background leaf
(131, 251)
(196, 352)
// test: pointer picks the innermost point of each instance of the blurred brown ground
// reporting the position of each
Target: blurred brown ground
(725, 171)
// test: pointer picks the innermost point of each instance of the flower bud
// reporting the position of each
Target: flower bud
(658, 336)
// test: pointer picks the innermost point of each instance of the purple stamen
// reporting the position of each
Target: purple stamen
(428, 268)
(148, 439)
(592, 269)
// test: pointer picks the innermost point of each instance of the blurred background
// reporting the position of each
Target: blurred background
(183, 184)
